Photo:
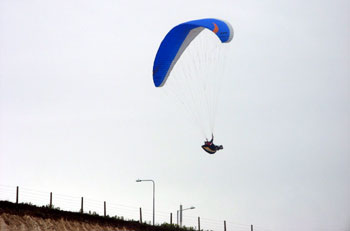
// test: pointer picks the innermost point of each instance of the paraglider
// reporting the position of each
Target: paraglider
(210, 147)
(196, 86)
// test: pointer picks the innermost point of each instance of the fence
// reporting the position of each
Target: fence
(104, 208)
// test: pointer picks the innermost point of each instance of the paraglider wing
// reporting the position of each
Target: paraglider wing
(177, 40)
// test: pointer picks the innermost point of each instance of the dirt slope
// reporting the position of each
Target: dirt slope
(23, 217)
(11, 222)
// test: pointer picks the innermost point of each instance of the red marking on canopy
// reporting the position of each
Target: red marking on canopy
(216, 28)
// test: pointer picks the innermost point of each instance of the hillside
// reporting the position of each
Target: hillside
(29, 217)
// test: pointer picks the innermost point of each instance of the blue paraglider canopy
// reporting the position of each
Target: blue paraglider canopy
(177, 40)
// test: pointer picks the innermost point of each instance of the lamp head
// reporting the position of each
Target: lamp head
(138, 180)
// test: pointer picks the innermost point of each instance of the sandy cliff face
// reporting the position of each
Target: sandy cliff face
(11, 222)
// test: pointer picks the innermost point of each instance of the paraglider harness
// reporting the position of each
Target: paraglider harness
(210, 147)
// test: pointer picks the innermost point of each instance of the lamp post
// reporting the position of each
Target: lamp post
(154, 187)
(181, 210)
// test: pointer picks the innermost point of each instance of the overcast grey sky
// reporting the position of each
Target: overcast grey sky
(79, 113)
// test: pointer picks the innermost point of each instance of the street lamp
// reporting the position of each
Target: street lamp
(181, 210)
(154, 187)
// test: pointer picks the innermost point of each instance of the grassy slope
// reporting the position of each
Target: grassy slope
(45, 213)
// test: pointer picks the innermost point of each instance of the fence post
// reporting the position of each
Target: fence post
(104, 209)
(177, 217)
(180, 215)
(50, 200)
(251, 227)
(224, 225)
(140, 215)
(82, 205)
(17, 189)
(199, 223)
(171, 218)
